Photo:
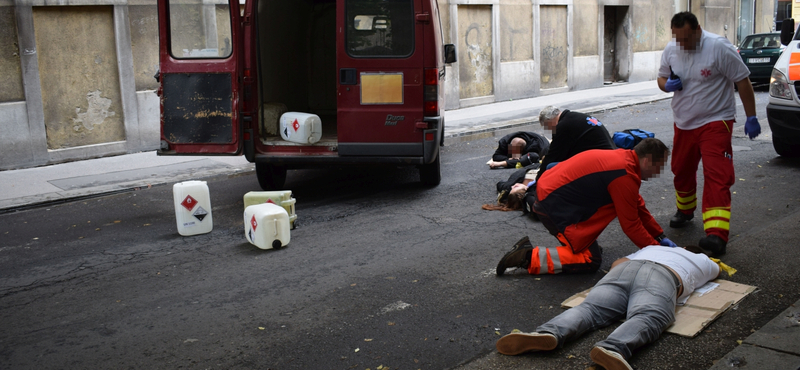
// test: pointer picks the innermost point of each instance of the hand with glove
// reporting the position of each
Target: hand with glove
(751, 127)
(664, 241)
(673, 83)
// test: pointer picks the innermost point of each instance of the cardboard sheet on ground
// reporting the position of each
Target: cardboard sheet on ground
(700, 310)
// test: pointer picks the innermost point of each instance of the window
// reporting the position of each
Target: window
(380, 28)
(200, 29)
(761, 42)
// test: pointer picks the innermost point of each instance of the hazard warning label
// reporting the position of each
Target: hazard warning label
(253, 222)
(189, 203)
(200, 213)
(296, 125)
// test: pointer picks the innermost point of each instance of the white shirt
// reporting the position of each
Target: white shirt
(708, 75)
(694, 269)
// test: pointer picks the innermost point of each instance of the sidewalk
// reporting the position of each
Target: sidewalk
(775, 346)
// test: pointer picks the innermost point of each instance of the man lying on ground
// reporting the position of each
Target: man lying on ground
(642, 288)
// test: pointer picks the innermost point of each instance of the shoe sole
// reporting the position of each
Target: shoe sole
(519, 343)
(608, 359)
(501, 266)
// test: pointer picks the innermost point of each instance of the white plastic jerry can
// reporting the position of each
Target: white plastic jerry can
(282, 198)
(303, 128)
(192, 207)
(266, 226)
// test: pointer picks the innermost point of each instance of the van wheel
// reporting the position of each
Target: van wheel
(431, 174)
(270, 176)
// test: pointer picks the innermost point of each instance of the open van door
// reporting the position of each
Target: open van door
(199, 76)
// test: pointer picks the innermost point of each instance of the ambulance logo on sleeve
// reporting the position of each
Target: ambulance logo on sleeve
(189, 203)
(593, 121)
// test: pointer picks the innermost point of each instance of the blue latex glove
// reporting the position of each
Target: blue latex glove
(673, 84)
(551, 165)
(668, 243)
(751, 127)
(531, 183)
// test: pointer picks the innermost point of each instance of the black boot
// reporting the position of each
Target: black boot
(713, 244)
(680, 219)
(519, 256)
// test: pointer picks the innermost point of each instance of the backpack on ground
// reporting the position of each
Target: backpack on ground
(627, 139)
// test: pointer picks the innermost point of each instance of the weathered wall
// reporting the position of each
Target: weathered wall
(516, 26)
(476, 72)
(716, 16)
(650, 24)
(11, 82)
(144, 45)
(553, 45)
(585, 27)
(79, 75)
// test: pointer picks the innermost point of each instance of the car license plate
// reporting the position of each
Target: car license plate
(758, 60)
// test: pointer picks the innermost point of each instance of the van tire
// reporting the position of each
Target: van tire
(431, 174)
(270, 176)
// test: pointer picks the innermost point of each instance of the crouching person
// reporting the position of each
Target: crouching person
(579, 197)
(642, 288)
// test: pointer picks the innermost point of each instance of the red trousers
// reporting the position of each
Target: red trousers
(712, 144)
(555, 260)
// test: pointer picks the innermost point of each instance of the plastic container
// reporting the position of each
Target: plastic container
(303, 128)
(266, 226)
(192, 208)
(282, 198)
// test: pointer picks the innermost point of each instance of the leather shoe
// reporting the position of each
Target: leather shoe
(519, 256)
(713, 244)
(680, 219)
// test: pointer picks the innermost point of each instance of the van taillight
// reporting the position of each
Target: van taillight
(431, 92)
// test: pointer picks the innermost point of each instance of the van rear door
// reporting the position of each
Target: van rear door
(380, 82)
(199, 52)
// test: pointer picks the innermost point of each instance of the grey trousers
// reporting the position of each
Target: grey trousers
(641, 292)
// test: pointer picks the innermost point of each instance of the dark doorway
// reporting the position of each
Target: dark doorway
(615, 44)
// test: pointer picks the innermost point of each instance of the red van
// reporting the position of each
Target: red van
(371, 70)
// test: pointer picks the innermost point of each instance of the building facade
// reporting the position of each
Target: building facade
(78, 74)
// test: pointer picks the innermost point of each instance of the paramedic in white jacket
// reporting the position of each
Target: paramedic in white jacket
(642, 288)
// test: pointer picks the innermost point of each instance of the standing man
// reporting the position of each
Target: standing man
(700, 68)
(512, 147)
(642, 288)
(579, 197)
(573, 132)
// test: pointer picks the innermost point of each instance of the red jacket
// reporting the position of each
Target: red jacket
(573, 191)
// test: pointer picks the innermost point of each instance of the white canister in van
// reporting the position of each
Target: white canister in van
(192, 207)
(303, 128)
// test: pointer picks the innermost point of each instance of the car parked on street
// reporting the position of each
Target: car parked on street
(760, 52)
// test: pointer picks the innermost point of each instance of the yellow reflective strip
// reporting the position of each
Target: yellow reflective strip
(716, 224)
(688, 199)
(689, 206)
(722, 213)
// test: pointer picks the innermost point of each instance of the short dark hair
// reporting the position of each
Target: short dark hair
(653, 148)
(680, 19)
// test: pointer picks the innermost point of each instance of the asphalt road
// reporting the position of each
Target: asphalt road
(380, 272)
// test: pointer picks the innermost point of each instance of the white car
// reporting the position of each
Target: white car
(783, 110)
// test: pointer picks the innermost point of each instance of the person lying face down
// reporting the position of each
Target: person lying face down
(642, 288)
(512, 147)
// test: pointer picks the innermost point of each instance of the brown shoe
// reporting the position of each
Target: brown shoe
(518, 343)
(609, 359)
(519, 256)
